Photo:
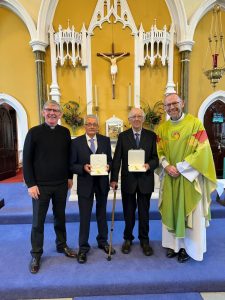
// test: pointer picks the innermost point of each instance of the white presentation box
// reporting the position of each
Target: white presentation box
(98, 164)
(136, 160)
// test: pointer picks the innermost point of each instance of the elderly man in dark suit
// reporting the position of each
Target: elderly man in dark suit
(88, 186)
(136, 187)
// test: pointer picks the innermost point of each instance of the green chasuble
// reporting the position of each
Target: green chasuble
(185, 140)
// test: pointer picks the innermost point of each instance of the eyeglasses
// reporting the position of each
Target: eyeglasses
(91, 125)
(172, 104)
(136, 117)
(52, 109)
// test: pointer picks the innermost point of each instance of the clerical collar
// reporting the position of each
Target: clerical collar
(178, 120)
(51, 127)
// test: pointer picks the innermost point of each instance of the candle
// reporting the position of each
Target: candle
(129, 94)
(47, 92)
(96, 96)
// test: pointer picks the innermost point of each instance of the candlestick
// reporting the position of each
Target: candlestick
(48, 92)
(129, 95)
(96, 96)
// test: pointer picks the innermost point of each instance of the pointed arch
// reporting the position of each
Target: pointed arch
(22, 122)
(21, 12)
(200, 12)
(45, 18)
(208, 101)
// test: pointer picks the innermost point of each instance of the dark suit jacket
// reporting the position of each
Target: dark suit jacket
(80, 155)
(130, 180)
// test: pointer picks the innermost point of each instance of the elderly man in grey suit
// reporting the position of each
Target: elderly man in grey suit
(136, 187)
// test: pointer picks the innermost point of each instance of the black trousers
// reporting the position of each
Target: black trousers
(85, 208)
(130, 203)
(58, 194)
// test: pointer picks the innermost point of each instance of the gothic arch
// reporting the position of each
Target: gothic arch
(21, 12)
(22, 123)
(179, 19)
(208, 101)
(200, 12)
(45, 18)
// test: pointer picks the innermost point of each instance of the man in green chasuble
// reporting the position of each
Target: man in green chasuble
(187, 176)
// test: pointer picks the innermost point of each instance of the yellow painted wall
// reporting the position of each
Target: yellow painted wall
(32, 8)
(17, 64)
(72, 81)
(200, 88)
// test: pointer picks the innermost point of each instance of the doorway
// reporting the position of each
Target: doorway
(8, 142)
(214, 122)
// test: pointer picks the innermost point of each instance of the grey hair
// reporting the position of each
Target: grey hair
(131, 114)
(170, 94)
(53, 102)
(91, 116)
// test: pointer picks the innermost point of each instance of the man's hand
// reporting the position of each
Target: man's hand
(34, 192)
(114, 185)
(147, 167)
(172, 171)
(87, 168)
(70, 183)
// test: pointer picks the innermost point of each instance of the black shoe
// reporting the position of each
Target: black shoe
(147, 249)
(81, 257)
(170, 253)
(126, 247)
(182, 255)
(106, 249)
(34, 265)
(67, 251)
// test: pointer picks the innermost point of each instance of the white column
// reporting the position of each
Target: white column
(137, 74)
(55, 91)
(89, 78)
(170, 83)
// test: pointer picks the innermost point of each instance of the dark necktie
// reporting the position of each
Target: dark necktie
(137, 138)
(92, 145)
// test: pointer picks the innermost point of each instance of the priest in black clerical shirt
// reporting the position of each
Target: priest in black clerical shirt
(46, 174)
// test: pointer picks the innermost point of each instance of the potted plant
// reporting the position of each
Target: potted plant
(71, 115)
(153, 115)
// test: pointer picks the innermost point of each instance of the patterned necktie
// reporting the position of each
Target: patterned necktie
(92, 145)
(137, 139)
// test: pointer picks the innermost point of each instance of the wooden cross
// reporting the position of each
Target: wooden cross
(112, 58)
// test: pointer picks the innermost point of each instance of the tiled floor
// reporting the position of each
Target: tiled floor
(205, 296)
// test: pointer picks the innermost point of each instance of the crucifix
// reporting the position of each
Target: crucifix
(113, 57)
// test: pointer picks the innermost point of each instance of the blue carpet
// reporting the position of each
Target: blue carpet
(133, 274)
(170, 296)
(18, 207)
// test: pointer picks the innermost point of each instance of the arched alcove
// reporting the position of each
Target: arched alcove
(211, 113)
(22, 123)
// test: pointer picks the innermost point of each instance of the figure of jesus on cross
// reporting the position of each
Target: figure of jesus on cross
(113, 58)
